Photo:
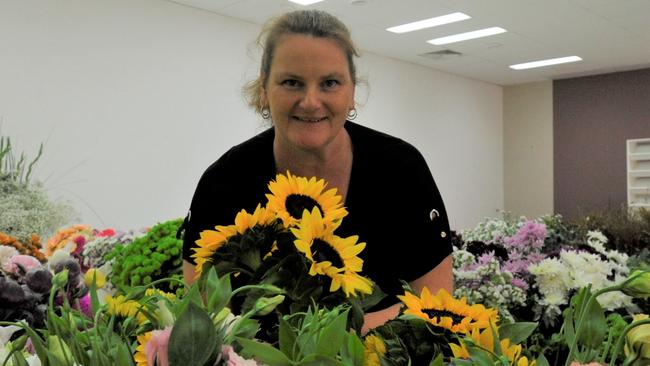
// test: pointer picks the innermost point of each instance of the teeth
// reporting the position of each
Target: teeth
(310, 119)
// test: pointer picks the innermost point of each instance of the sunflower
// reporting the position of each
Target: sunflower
(374, 350)
(291, 195)
(212, 240)
(120, 306)
(331, 255)
(140, 356)
(485, 339)
(443, 310)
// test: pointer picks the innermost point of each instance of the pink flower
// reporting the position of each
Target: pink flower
(27, 262)
(233, 359)
(156, 348)
(84, 305)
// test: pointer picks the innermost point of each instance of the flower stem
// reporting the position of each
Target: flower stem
(581, 319)
(621, 338)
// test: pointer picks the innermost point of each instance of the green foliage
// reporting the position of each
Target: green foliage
(316, 337)
(17, 171)
(148, 258)
(26, 209)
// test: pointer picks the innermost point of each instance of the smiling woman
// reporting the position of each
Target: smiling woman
(306, 89)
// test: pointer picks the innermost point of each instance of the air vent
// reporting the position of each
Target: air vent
(441, 55)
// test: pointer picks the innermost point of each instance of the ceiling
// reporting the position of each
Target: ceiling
(609, 35)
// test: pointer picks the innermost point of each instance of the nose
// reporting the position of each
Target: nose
(311, 99)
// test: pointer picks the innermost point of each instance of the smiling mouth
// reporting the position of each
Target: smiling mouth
(310, 119)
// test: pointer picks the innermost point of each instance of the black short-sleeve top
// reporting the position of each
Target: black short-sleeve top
(393, 203)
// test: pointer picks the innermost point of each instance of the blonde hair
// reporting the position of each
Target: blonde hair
(315, 23)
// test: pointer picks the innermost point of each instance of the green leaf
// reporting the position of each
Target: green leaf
(193, 338)
(218, 291)
(331, 339)
(264, 352)
(319, 360)
(287, 337)
(123, 356)
(517, 332)
(353, 350)
(437, 360)
(542, 361)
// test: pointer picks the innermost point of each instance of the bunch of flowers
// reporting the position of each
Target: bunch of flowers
(530, 272)
(148, 258)
(31, 247)
(434, 329)
(291, 244)
(74, 237)
(95, 251)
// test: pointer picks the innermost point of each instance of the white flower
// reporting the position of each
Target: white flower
(6, 333)
(60, 255)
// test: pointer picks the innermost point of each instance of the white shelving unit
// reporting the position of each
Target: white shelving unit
(638, 173)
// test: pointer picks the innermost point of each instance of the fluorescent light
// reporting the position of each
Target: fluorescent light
(542, 63)
(469, 35)
(305, 2)
(428, 23)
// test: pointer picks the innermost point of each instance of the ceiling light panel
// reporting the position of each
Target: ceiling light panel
(468, 35)
(428, 23)
(542, 63)
(305, 2)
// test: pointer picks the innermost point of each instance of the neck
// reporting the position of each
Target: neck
(332, 163)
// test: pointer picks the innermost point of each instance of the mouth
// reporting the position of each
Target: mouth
(309, 119)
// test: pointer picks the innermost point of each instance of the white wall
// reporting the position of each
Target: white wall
(528, 148)
(134, 99)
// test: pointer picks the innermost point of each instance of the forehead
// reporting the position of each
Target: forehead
(296, 53)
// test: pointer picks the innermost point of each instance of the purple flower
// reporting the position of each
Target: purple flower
(518, 282)
(84, 305)
(530, 235)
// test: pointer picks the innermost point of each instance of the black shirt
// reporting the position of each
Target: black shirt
(393, 203)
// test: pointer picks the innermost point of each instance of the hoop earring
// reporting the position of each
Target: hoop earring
(266, 113)
(352, 114)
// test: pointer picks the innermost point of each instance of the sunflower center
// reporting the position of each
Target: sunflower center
(434, 313)
(321, 252)
(297, 203)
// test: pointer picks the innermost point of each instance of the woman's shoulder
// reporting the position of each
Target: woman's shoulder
(245, 157)
(379, 144)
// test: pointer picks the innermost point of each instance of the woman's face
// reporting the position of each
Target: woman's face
(309, 91)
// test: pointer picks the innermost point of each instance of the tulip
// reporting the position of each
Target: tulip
(637, 285)
(59, 350)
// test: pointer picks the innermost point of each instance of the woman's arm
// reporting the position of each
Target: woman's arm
(439, 277)
(189, 272)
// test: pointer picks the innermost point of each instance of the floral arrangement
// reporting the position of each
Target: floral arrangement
(26, 208)
(150, 257)
(32, 247)
(291, 244)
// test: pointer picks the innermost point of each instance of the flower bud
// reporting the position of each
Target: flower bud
(58, 350)
(639, 340)
(265, 305)
(637, 285)
(60, 279)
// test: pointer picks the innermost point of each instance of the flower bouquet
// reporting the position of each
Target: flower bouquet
(291, 244)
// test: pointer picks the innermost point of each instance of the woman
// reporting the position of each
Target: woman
(306, 88)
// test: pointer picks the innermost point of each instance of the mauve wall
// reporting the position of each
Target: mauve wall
(593, 116)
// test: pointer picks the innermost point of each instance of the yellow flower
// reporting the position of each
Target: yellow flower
(212, 240)
(121, 307)
(442, 310)
(374, 351)
(331, 255)
(140, 357)
(291, 195)
(485, 339)
(99, 277)
(151, 291)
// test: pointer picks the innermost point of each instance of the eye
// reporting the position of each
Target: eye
(290, 83)
(331, 83)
